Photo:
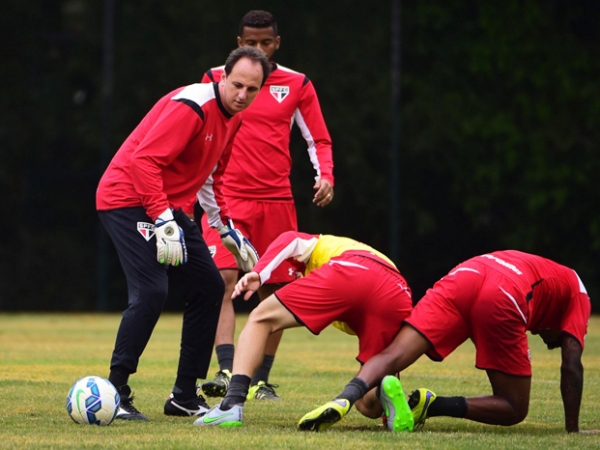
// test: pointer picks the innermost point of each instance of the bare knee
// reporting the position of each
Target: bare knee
(519, 413)
(511, 397)
(266, 315)
(369, 406)
(259, 317)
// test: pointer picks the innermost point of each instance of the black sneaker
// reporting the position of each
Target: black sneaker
(194, 407)
(126, 409)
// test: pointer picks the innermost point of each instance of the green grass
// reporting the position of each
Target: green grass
(41, 356)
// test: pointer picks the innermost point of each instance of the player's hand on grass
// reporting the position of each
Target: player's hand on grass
(170, 244)
(242, 250)
(249, 283)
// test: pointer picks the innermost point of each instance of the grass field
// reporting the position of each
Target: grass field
(41, 355)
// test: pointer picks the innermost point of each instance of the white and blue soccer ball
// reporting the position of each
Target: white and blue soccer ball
(93, 400)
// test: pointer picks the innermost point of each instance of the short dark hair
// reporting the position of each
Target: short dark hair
(254, 55)
(258, 19)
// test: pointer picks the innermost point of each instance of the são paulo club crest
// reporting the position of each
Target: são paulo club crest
(146, 230)
(280, 92)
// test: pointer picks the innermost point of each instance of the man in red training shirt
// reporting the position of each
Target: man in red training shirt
(182, 145)
(257, 186)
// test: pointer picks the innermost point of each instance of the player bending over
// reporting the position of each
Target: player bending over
(346, 283)
(493, 299)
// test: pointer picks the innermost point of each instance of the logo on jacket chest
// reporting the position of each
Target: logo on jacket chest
(280, 92)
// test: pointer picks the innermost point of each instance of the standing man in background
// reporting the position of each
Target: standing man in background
(258, 189)
(182, 145)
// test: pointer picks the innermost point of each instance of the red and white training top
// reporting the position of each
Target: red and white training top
(261, 162)
(557, 298)
(183, 144)
(308, 252)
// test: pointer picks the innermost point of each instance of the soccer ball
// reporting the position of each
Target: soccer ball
(93, 400)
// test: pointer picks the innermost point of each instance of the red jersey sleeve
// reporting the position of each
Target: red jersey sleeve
(158, 149)
(292, 245)
(311, 123)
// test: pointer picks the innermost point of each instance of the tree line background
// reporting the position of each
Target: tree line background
(499, 128)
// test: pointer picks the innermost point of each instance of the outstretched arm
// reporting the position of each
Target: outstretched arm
(571, 381)
(311, 124)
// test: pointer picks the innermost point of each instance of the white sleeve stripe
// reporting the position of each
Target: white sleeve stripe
(206, 198)
(299, 249)
(197, 93)
(348, 264)
(312, 149)
(582, 288)
(463, 269)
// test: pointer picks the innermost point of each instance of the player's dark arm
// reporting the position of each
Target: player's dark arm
(571, 381)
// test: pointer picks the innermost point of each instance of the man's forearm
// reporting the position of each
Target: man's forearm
(571, 383)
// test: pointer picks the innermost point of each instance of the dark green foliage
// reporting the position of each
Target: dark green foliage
(500, 123)
(498, 112)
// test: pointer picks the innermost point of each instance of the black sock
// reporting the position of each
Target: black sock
(124, 392)
(119, 378)
(354, 390)
(236, 394)
(185, 388)
(262, 374)
(225, 356)
(448, 406)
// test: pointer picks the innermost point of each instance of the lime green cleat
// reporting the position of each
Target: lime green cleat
(263, 391)
(399, 417)
(323, 417)
(419, 402)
